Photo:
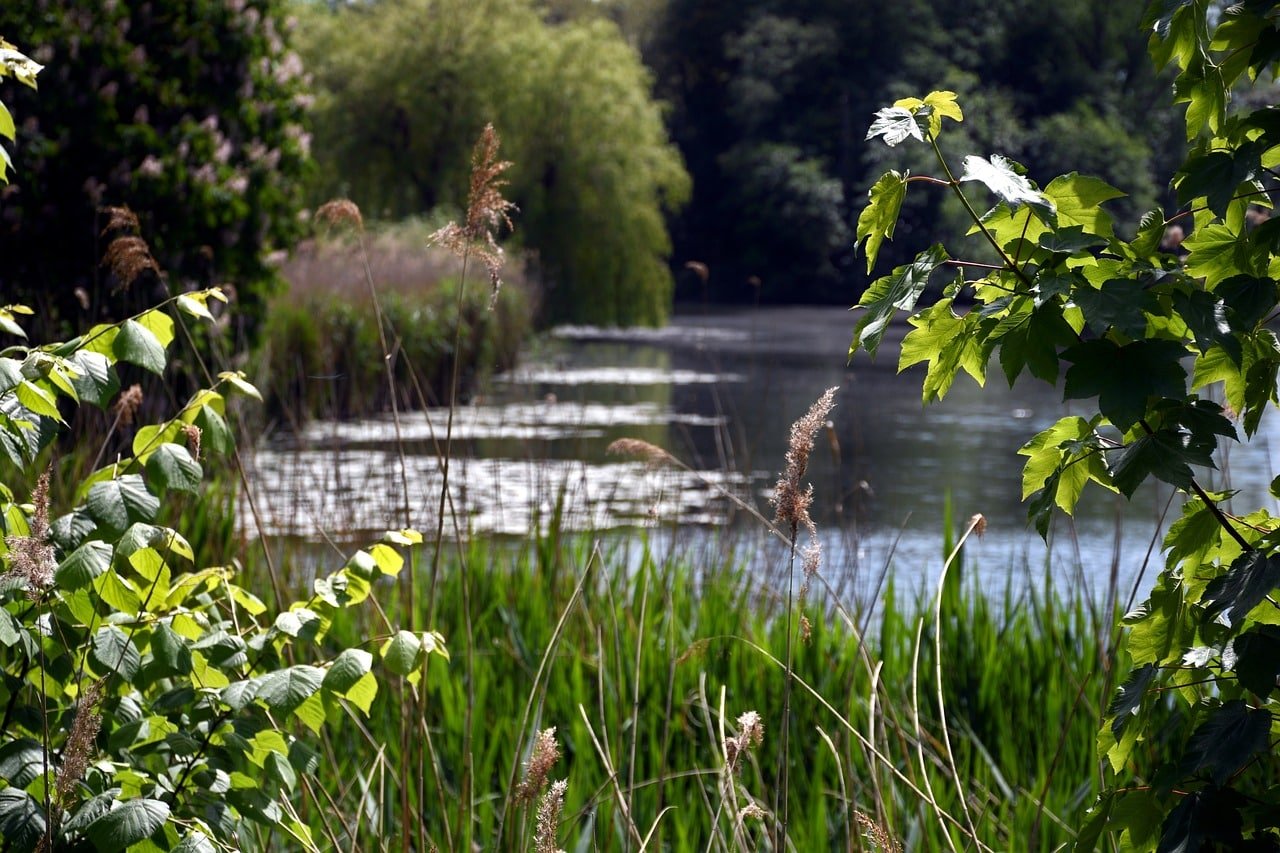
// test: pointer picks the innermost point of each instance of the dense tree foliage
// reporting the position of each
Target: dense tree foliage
(406, 85)
(188, 110)
(770, 105)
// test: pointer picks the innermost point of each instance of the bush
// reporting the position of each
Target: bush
(191, 110)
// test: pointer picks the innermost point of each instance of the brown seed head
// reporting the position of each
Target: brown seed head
(80, 744)
(545, 753)
(636, 448)
(192, 434)
(750, 734)
(791, 499)
(340, 213)
(126, 405)
(32, 557)
(549, 809)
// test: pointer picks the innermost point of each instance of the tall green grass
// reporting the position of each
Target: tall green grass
(644, 672)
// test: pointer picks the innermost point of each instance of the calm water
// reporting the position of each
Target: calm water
(720, 390)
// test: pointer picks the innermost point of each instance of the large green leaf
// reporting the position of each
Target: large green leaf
(126, 824)
(948, 344)
(22, 823)
(113, 651)
(96, 382)
(171, 467)
(880, 216)
(1216, 175)
(1129, 696)
(284, 690)
(1245, 585)
(170, 650)
(1124, 378)
(886, 296)
(116, 503)
(400, 653)
(347, 669)
(1122, 304)
(138, 345)
(1165, 454)
(1258, 659)
(83, 565)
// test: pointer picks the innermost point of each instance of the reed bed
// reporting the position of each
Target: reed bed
(645, 675)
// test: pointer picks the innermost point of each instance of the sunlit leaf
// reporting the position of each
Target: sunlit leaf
(886, 296)
(879, 218)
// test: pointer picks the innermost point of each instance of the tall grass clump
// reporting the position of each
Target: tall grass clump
(321, 355)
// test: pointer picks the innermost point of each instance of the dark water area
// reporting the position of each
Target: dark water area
(719, 390)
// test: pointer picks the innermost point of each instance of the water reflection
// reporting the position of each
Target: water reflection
(720, 391)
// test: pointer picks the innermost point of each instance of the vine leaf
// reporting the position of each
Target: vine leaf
(1001, 176)
(897, 124)
(1129, 697)
(1242, 587)
(1216, 175)
(1122, 304)
(1225, 742)
(898, 291)
(948, 344)
(1166, 455)
(117, 502)
(880, 216)
(1123, 378)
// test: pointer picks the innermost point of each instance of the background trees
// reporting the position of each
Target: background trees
(405, 85)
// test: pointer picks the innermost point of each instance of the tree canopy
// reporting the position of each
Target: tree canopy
(405, 86)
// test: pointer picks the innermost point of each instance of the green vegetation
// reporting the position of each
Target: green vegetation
(1150, 339)
(189, 112)
(770, 103)
(405, 85)
(320, 354)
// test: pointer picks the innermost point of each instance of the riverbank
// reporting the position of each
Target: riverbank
(320, 354)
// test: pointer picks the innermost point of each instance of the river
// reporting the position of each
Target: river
(719, 390)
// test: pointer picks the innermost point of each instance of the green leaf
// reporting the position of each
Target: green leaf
(114, 652)
(1122, 304)
(38, 400)
(97, 382)
(1215, 252)
(1078, 200)
(128, 823)
(237, 381)
(891, 293)
(896, 124)
(1129, 696)
(1030, 339)
(172, 468)
(1217, 175)
(214, 432)
(948, 344)
(1150, 234)
(286, 689)
(7, 127)
(1206, 319)
(22, 761)
(347, 669)
(138, 345)
(1000, 175)
(363, 692)
(21, 820)
(880, 216)
(170, 650)
(1165, 454)
(400, 653)
(195, 841)
(279, 770)
(1123, 378)
(1066, 453)
(1244, 586)
(1226, 741)
(116, 503)
(158, 322)
(83, 565)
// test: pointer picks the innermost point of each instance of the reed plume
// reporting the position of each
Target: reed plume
(636, 448)
(487, 211)
(545, 753)
(128, 257)
(340, 212)
(32, 557)
(549, 809)
(792, 499)
(80, 743)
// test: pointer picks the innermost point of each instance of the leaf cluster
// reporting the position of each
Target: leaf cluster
(1168, 342)
(147, 702)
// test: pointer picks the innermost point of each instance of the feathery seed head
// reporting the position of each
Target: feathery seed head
(750, 734)
(636, 448)
(549, 809)
(79, 746)
(32, 557)
(340, 212)
(126, 405)
(790, 498)
(544, 755)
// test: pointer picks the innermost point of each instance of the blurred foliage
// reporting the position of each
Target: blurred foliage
(770, 105)
(191, 112)
(405, 86)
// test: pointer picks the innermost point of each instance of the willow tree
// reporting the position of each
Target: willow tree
(405, 85)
